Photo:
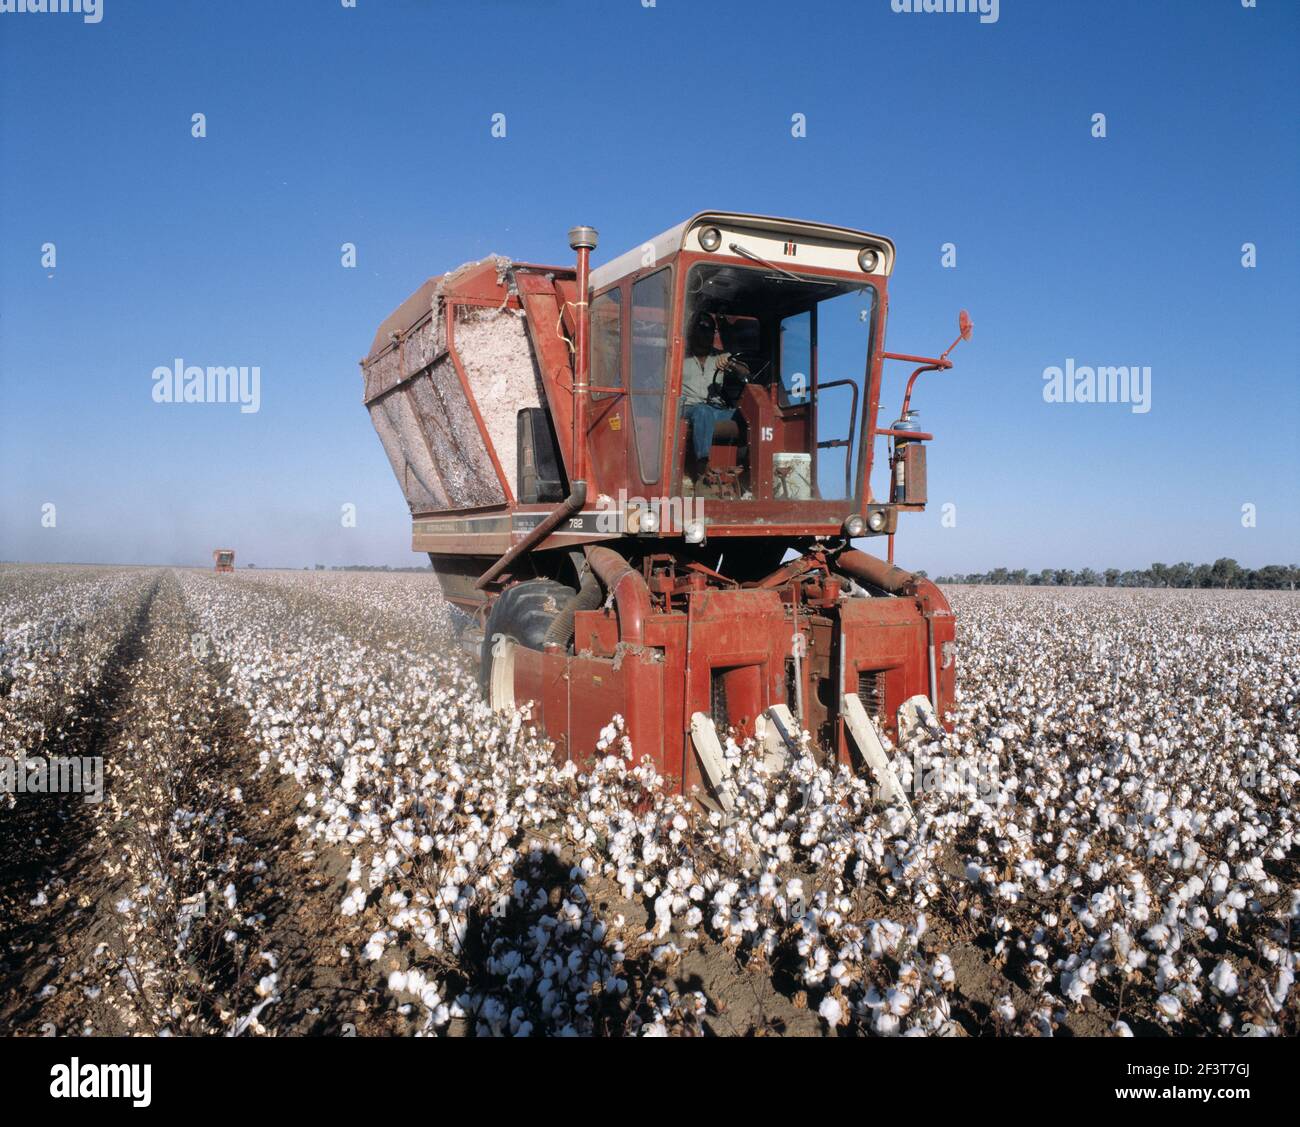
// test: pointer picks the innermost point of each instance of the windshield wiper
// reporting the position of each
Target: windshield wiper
(782, 274)
(736, 248)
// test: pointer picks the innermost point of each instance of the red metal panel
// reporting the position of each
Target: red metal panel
(728, 629)
(596, 694)
(886, 634)
(595, 631)
(642, 691)
(537, 293)
(401, 319)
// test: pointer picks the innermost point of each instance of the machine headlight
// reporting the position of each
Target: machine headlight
(649, 521)
(869, 259)
(695, 532)
(854, 525)
(710, 239)
(876, 521)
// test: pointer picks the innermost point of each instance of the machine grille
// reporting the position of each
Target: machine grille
(718, 703)
(871, 691)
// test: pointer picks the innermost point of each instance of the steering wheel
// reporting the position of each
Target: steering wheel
(754, 364)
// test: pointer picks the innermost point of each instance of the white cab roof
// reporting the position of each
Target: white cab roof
(817, 244)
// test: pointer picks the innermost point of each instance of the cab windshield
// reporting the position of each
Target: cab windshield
(774, 382)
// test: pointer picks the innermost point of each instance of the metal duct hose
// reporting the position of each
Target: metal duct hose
(631, 595)
(873, 570)
(589, 596)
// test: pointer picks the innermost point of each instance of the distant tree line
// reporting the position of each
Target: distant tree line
(374, 567)
(1223, 573)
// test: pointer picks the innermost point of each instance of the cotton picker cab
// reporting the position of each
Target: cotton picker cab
(223, 559)
(542, 423)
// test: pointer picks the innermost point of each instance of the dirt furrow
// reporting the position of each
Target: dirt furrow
(323, 988)
(46, 839)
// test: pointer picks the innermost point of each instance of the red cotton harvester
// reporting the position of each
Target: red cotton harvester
(642, 482)
(223, 559)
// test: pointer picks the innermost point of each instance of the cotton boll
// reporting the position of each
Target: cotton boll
(831, 1011)
(1224, 979)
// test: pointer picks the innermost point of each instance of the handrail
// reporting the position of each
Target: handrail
(941, 362)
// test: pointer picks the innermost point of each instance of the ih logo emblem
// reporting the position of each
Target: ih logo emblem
(791, 250)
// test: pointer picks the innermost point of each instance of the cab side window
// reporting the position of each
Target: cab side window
(796, 360)
(651, 302)
(606, 344)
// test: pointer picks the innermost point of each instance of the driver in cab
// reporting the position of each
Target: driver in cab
(711, 385)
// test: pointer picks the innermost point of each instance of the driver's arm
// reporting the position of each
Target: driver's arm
(729, 362)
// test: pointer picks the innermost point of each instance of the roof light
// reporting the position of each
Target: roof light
(710, 239)
(869, 259)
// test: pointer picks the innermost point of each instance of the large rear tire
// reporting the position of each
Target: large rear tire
(521, 616)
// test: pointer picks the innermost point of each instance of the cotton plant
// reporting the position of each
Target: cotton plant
(1109, 835)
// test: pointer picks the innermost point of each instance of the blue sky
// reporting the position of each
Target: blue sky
(371, 125)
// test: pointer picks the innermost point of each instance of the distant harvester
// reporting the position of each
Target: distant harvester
(225, 559)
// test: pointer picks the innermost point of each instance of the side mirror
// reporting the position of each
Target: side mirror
(964, 327)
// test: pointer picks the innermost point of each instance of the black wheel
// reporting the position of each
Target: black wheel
(521, 616)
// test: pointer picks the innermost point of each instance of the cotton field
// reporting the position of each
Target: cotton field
(310, 822)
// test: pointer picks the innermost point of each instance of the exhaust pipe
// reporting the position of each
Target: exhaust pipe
(583, 240)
